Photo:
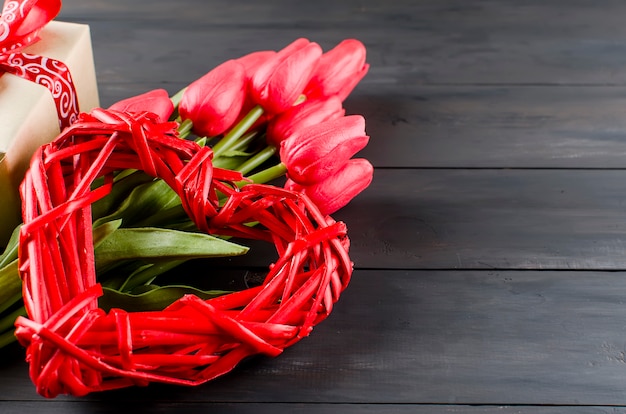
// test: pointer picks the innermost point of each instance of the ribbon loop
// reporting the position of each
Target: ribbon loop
(21, 21)
(20, 24)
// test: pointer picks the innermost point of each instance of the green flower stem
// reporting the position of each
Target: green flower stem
(9, 303)
(10, 286)
(7, 322)
(245, 141)
(238, 131)
(147, 274)
(177, 97)
(257, 159)
(7, 332)
(184, 129)
(266, 175)
(10, 252)
(7, 338)
(164, 217)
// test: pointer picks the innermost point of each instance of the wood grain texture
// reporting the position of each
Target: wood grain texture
(514, 219)
(489, 250)
(262, 408)
(442, 126)
(453, 41)
(427, 337)
(493, 126)
(483, 219)
(423, 126)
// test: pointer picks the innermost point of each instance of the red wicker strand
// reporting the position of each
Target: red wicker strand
(76, 348)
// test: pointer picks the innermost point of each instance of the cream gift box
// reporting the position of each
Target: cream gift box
(28, 116)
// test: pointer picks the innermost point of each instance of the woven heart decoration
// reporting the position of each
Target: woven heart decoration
(74, 347)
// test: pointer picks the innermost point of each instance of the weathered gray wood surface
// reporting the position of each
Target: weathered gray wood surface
(490, 249)
(449, 337)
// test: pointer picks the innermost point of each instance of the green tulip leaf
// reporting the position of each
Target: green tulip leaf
(143, 201)
(104, 230)
(10, 285)
(151, 297)
(229, 162)
(10, 252)
(159, 244)
(123, 184)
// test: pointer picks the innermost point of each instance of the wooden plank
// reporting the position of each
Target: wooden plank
(468, 126)
(531, 42)
(512, 127)
(411, 124)
(430, 337)
(262, 408)
(464, 337)
(481, 219)
(513, 219)
(453, 85)
(477, 127)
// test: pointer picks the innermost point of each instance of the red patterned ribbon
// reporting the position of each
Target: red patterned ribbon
(20, 24)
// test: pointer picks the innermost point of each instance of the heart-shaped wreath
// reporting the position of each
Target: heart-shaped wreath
(75, 347)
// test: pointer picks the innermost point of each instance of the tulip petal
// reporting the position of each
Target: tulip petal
(339, 70)
(339, 189)
(307, 114)
(252, 61)
(316, 166)
(315, 153)
(214, 101)
(156, 101)
(337, 130)
(279, 81)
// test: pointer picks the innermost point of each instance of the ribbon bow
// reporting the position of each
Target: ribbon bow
(20, 24)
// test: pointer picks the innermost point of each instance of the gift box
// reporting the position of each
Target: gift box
(28, 114)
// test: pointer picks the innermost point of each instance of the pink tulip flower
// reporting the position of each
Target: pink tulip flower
(156, 101)
(315, 153)
(252, 61)
(214, 101)
(302, 116)
(280, 80)
(339, 71)
(340, 188)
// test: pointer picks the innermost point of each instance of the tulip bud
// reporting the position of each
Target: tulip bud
(156, 101)
(315, 153)
(279, 81)
(340, 188)
(214, 101)
(339, 71)
(302, 116)
(252, 61)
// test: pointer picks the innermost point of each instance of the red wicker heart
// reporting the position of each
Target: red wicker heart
(74, 347)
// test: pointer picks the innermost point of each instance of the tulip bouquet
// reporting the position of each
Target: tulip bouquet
(292, 100)
(154, 181)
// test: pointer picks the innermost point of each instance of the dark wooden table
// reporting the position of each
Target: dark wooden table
(490, 248)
